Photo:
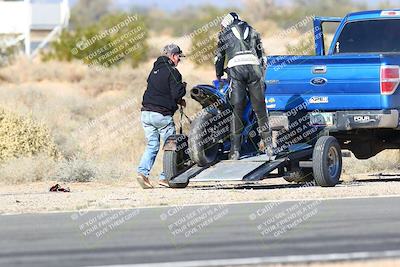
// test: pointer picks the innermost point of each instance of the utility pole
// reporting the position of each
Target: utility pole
(28, 10)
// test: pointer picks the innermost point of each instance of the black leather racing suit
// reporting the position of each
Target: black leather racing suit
(241, 45)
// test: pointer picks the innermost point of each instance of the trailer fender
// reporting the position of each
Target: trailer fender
(178, 143)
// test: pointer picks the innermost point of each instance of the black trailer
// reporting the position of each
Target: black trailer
(305, 150)
(300, 163)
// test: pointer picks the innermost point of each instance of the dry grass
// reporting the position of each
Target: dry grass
(28, 169)
(386, 161)
(94, 117)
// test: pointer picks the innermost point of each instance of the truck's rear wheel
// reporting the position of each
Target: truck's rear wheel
(203, 148)
(327, 161)
(173, 165)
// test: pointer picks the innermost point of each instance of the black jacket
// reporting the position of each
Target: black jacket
(164, 88)
(237, 39)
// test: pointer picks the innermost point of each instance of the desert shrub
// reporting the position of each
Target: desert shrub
(105, 43)
(85, 12)
(111, 170)
(22, 136)
(41, 168)
(305, 46)
(24, 70)
(205, 37)
(75, 170)
(258, 10)
(8, 53)
(181, 22)
(203, 48)
(27, 169)
(82, 170)
(296, 10)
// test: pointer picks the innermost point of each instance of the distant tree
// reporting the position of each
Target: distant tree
(288, 14)
(99, 45)
(204, 35)
(8, 53)
(87, 12)
(257, 10)
(327, 7)
(386, 4)
(337, 8)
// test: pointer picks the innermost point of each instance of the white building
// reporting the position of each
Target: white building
(33, 22)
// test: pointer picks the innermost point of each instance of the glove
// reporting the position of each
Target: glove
(263, 64)
(182, 102)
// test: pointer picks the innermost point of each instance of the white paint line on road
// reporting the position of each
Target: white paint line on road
(208, 204)
(272, 260)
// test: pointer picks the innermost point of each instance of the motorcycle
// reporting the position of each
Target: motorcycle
(208, 141)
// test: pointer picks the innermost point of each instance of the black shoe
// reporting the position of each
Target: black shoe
(236, 140)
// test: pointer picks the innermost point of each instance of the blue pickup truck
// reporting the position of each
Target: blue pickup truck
(345, 98)
(350, 91)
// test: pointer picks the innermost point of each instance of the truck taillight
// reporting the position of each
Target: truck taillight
(390, 79)
(390, 13)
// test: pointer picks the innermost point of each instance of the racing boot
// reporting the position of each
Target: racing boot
(235, 147)
(266, 145)
(236, 133)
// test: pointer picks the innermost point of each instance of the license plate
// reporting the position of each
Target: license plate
(321, 119)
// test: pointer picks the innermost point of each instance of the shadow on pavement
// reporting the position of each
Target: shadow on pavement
(258, 186)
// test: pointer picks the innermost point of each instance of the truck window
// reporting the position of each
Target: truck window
(329, 28)
(370, 36)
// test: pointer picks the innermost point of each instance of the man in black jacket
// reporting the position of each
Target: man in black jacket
(165, 91)
(241, 46)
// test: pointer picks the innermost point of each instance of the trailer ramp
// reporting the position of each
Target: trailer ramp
(233, 170)
(246, 169)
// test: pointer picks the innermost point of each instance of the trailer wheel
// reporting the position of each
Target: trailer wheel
(173, 165)
(203, 149)
(327, 161)
(299, 177)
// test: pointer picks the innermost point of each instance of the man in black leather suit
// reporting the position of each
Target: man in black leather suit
(241, 45)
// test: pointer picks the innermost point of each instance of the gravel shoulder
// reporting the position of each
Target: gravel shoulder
(36, 198)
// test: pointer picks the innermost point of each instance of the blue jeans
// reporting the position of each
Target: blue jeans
(155, 126)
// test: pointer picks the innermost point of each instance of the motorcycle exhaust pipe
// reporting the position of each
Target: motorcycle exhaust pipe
(196, 93)
(205, 96)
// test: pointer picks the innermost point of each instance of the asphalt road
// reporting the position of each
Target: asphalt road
(205, 235)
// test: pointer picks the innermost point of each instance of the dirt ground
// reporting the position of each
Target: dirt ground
(35, 197)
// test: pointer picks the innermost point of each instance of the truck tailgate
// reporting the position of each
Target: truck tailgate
(347, 82)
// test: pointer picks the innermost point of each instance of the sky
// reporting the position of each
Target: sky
(177, 4)
(166, 5)
(174, 5)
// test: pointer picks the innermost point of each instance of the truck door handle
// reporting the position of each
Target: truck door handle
(319, 69)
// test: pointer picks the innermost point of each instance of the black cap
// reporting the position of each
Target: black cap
(173, 49)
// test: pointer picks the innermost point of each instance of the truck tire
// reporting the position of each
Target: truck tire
(203, 150)
(173, 166)
(327, 161)
(299, 177)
